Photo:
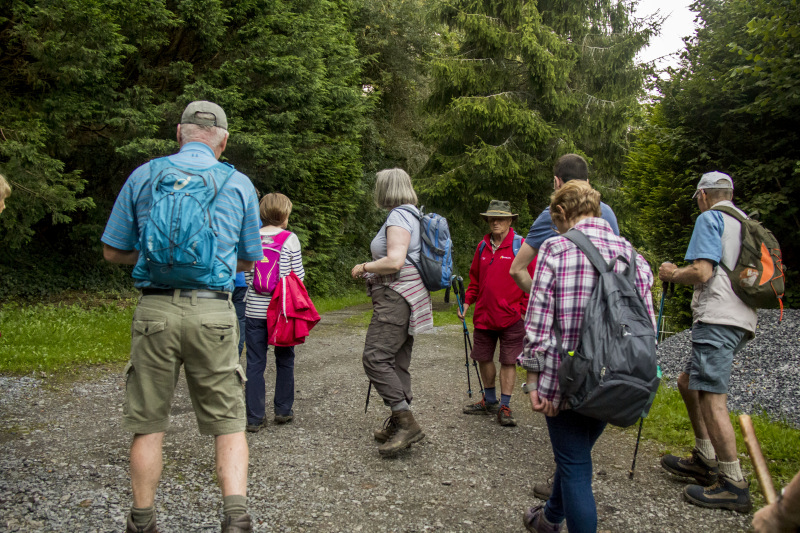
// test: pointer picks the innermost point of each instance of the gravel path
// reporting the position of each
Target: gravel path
(63, 465)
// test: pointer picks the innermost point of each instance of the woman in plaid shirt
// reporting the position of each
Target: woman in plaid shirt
(563, 283)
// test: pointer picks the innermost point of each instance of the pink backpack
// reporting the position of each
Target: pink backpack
(267, 272)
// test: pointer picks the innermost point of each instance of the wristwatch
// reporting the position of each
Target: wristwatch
(527, 388)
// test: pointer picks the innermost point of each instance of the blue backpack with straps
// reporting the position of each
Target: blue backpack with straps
(515, 245)
(436, 254)
(178, 244)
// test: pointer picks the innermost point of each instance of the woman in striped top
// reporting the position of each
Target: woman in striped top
(275, 211)
(401, 307)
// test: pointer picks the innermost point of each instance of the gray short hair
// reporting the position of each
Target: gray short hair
(210, 135)
(393, 188)
(719, 195)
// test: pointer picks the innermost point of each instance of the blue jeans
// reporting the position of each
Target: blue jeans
(572, 436)
(255, 394)
(239, 305)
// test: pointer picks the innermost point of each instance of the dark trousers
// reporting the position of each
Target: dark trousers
(239, 305)
(255, 393)
(387, 348)
(572, 436)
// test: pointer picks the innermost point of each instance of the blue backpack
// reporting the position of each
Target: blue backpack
(436, 256)
(178, 245)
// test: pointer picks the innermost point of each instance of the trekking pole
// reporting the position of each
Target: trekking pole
(369, 390)
(453, 284)
(665, 287)
(461, 292)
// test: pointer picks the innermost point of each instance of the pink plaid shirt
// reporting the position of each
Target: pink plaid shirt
(562, 284)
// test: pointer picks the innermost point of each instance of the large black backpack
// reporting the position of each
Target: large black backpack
(612, 374)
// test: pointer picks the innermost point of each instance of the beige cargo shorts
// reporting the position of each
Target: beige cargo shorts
(202, 335)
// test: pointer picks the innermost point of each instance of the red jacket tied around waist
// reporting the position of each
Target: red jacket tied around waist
(291, 314)
(498, 302)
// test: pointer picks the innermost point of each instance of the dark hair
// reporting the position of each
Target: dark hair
(571, 167)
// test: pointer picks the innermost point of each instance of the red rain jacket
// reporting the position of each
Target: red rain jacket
(291, 314)
(498, 302)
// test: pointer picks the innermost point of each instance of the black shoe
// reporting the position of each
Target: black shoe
(704, 471)
(724, 494)
(255, 428)
(284, 419)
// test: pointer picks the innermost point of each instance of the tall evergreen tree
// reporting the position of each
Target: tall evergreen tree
(529, 82)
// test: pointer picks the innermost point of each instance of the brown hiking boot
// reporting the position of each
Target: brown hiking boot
(408, 432)
(704, 471)
(544, 490)
(482, 408)
(504, 417)
(389, 429)
(240, 524)
(149, 528)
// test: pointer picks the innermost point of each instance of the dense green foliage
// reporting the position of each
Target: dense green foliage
(81, 109)
(733, 105)
(525, 83)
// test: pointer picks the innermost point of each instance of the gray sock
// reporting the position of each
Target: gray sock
(234, 506)
(142, 515)
(705, 448)
(732, 470)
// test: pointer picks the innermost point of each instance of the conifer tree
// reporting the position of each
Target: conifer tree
(528, 82)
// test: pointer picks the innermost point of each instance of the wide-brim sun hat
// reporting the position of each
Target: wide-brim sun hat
(499, 208)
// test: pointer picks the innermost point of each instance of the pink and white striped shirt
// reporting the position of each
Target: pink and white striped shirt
(408, 284)
(563, 282)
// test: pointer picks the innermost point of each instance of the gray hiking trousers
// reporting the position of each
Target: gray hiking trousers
(387, 348)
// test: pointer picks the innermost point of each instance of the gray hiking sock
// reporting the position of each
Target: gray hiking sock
(732, 470)
(705, 448)
(402, 406)
(234, 506)
(141, 515)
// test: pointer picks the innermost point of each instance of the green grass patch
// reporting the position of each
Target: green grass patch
(57, 338)
(669, 424)
(334, 303)
(444, 314)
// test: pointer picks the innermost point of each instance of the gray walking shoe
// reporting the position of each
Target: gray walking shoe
(544, 490)
(408, 432)
(535, 521)
(130, 527)
(240, 524)
(504, 417)
(704, 471)
(724, 494)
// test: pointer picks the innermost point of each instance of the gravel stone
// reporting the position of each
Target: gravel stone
(64, 459)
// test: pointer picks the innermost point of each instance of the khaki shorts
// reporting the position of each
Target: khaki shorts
(200, 334)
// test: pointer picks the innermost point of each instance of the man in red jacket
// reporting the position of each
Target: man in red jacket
(499, 308)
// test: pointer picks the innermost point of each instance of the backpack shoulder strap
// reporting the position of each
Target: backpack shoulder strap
(728, 210)
(589, 250)
(481, 247)
(280, 239)
(517, 244)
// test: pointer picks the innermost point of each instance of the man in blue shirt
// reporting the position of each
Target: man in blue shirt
(193, 323)
(721, 325)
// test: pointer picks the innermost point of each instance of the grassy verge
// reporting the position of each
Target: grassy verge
(668, 424)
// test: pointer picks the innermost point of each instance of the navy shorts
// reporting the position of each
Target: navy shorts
(713, 348)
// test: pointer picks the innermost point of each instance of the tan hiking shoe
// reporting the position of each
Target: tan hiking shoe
(389, 429)
(724, 494)
(544, 490)
(704, 471)
(408, 432)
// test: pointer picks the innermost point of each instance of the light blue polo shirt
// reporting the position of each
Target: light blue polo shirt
(543, 227)
(236, 218)
(706, 241)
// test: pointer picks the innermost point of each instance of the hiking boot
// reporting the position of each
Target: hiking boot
(544, 490)
(482, 408)
(407, 433)
(240, 524)
(534, 520)
(724, 494)
(389, 428)
(504, 417)
(284, 419)
(704, 471)
(149, 528)
(254, 428)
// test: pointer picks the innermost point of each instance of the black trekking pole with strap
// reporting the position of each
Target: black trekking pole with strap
(369, 390)
(666, 287)
(457, 283)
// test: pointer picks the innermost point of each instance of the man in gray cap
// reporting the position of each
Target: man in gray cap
(722, 324)
(184, 266)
